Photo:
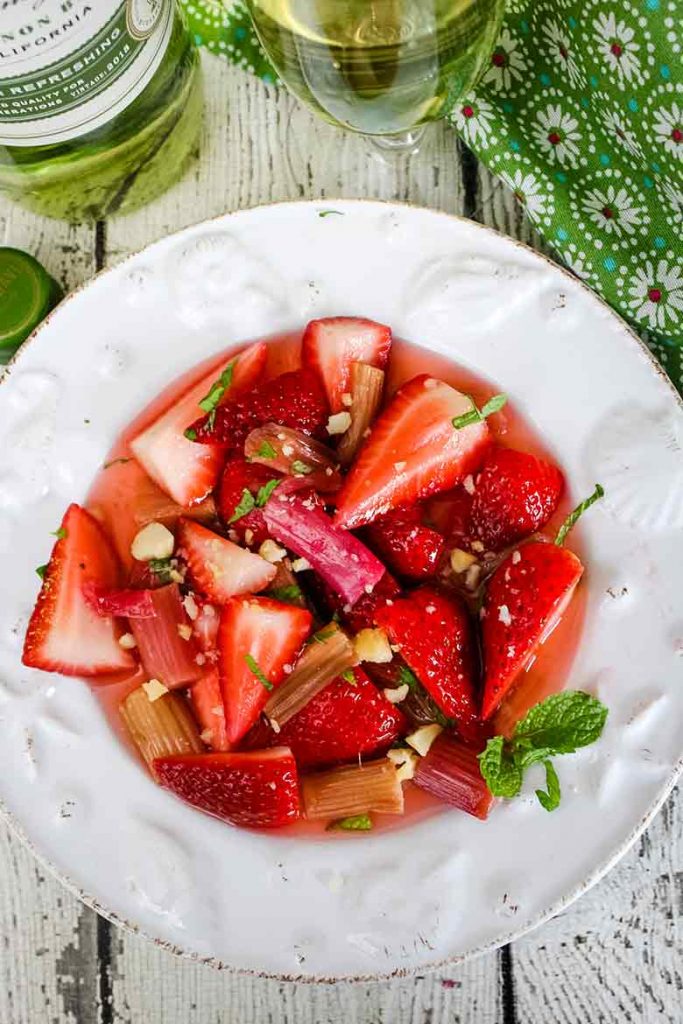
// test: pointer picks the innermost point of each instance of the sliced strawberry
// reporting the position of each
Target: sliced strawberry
(331, 345)
(413, 451)
(257, 638)
(255, 790)
(186, 471)
(344, 722)
(407, 546)
(240, 476)
(434, 634)
(526, 598)
(295, 399)
(65, 633)
(449, 514)
(515, 495)
(207, 704)
(218, 568)
(205, 626)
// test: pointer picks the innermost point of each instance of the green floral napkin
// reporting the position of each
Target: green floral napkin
(580, 112)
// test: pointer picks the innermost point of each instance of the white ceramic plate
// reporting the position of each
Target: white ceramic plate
(448, 887)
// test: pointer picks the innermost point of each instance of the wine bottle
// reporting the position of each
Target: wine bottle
(100, 103)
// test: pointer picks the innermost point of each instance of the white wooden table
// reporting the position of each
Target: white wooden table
(613, 957)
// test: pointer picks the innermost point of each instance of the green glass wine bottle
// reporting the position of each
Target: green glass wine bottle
(100, 103)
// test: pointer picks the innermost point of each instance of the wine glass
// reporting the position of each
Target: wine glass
(383, 68)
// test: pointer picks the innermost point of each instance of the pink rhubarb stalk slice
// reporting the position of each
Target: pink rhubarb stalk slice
(353, 789)
(294, 454)
(131, 604)
(342, 561)
(167, 647)
(367, 388)
(450, 772)
(160, 727)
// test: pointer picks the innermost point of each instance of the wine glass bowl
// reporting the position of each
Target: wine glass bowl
(379, 67)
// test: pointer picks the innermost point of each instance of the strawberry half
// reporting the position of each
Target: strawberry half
(257, 638)
(413, 451)
(65, 633)
(255, 790)
(186, 471)
(407, 546)
(525, 600)
(434, 634)
(218, 568)
(207, 704)
(295, 399)
(344, 722)
(240, 476)
(515, 495)
(331, 345)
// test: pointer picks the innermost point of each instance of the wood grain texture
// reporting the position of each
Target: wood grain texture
(613, 957)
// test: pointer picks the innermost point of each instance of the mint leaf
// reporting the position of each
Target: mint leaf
(211, 401)
(115, 462)
(190, 434)
(162, 569)
(41, 570)
(407, 678)
(500, 771)
(255, 668)
(356, 823)
(265, 492)
(266, 451)
(60, 534)
(550, 799)
(330, 213)
(560, 724)
(322, 635)
(349, 676)
(598, 493)
(475, 415)
(244, 506)
(300, 468)
(289, 595)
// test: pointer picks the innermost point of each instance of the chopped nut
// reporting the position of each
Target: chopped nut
(190, 606)
(347, 399)
(400, 466)
(422, 739)
(461, 560)
(472, 577)
(477, 545)
(300, 565)
(373, 645)
(206, 736)
(468, 484)
(248, 536)
(184, 631)
(287, 450)
(504, 615)
(154, 689)
(397, 694)
(218, 711)
(153, 541)
(516, 557)
(271, 551)
(405, 760)
(127, 641)
(430, 609)
(339, 423)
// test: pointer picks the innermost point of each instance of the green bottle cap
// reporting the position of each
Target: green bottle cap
(27, 294)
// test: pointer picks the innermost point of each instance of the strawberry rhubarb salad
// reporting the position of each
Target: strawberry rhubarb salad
(316, 582)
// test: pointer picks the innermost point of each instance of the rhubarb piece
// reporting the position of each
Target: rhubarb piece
(256, 790)
(366, 390)
(450, 772)
(433, 632)
(330, 654)
(515, 495)
(295, 399)
(167, 647)
(342, 561)
(160, 727)
(413, 451)
(65, 633)
(525, 600)
(258, 639)
(186, 471)
(353, 789)
(292, 453)
(131, 604)
(405, 544)
(347, 720)
(207, 703)
(217, 567)
(331, 347)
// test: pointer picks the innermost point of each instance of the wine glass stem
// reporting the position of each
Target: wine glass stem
(402, 142)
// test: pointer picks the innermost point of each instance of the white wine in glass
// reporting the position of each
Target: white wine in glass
(379, 67)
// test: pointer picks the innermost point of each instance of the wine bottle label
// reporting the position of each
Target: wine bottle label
(69, 66)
